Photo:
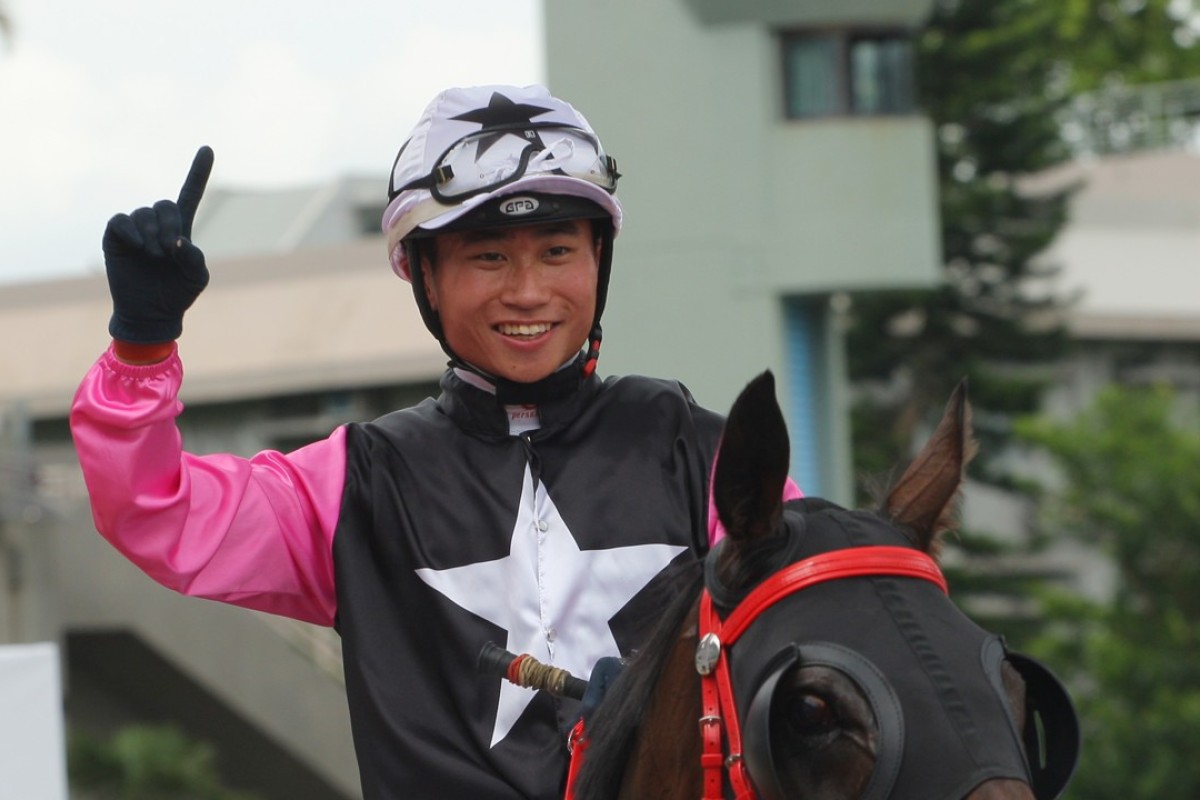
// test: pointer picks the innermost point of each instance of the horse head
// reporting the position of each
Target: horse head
(832, 663)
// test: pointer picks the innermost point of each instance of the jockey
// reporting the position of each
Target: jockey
(480, 160)
(531, 503)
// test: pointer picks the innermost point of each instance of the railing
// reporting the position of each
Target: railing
(1131, 118)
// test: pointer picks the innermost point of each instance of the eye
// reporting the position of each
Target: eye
(809, 714)
(488, 258)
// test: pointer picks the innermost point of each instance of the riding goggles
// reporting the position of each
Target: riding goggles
(486, 160)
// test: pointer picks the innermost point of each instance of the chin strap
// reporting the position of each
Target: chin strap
(555, 386)
(593, 351)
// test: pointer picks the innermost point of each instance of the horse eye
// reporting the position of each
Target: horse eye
(810, 713)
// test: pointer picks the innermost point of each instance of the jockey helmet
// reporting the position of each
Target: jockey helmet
(495, 156)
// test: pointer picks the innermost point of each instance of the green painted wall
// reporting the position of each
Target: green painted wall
(731, 208)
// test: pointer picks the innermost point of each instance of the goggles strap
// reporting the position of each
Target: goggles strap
(530, 159)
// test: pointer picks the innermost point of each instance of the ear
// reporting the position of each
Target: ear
(427, 282)
(922, 501)
(752, 463)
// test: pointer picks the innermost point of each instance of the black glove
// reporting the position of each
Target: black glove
(154, 271)
(604, 674)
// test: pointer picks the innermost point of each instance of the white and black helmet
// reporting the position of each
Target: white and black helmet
(478, 143)
(492, 156)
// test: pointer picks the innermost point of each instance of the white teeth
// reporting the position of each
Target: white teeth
(523, 330)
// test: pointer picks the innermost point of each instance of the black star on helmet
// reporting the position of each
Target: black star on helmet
(505, 117)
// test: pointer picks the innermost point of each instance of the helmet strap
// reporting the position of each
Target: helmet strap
(416, 276)
(605, 271)
(593, 351)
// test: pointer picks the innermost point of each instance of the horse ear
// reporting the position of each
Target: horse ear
(922, 501)
(752, 463)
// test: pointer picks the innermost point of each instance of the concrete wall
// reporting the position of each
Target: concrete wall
(731, 208)
(237, 661)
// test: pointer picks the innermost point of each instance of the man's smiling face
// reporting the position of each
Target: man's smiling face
(517, 302)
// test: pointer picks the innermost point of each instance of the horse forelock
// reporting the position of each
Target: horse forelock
(742, 565)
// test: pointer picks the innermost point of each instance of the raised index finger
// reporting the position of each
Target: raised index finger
(193, 188)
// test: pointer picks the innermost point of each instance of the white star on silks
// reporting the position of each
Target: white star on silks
(552, 598)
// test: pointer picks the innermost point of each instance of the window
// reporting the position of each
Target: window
(828, 73)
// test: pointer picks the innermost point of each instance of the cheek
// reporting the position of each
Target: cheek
(585, 283)
(592, 292)
(428, 284)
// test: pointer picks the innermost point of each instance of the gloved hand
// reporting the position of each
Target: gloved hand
(154, 271)
(603, 676)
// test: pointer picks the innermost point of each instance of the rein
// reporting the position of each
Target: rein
(719, 720)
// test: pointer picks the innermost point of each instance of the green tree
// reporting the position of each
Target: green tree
(994, 77)
(988, 90)
(1130, 486)
(146, 762)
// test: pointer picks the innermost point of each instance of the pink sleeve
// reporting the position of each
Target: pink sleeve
(254, 532)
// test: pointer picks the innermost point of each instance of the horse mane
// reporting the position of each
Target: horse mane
(613, 727)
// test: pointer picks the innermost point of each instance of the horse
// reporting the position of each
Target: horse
(821, 655)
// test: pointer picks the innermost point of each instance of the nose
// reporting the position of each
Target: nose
(525, 285)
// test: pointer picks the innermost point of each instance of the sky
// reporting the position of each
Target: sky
(102, 105)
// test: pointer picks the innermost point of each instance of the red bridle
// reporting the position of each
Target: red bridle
(718, 718)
